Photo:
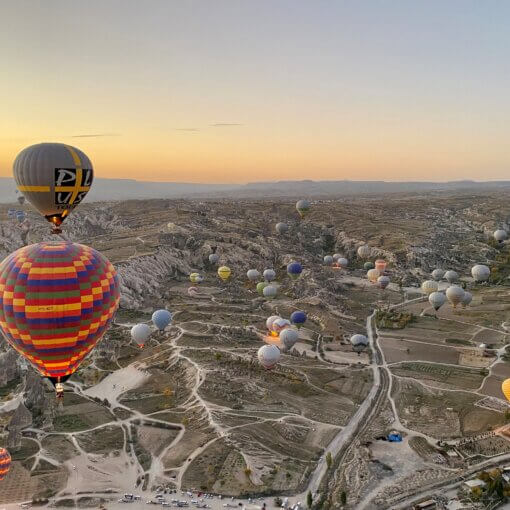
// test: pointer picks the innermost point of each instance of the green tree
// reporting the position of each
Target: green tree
(309, 499)
(343, 498)
(329, 460)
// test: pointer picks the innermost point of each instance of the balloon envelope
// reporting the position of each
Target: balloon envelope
(261, 286)
(253, 275)
(269, 275)
(455, 294)
(54, 178)
(196, 278)
(279, 325)
(437, 274)
(359, 342)
(282, 228)
(268, 356)
(500, 235)
(429, 286)
(303, 207)
(480, 273)
(505, 388)
(437, 300)
(269, 291)
(294, 269)
(5, 463)
(372, 275)
(270, 320)
(368, 265)
(298, 317)
(161, 319)
(328, 260)
(451, 276)
(466, 300)
(364, 251)
(213, 258)
(140, 333)
(383, 281)
(57, 300)
(380, 265)
(288, 337)
(224, 273)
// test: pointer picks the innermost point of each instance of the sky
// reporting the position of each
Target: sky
(243, 91)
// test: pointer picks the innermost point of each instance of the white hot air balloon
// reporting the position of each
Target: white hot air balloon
(270, 292)
(437, 300)
(429, 286)
(337, 256)
(455, 295)
(328, 260)
(213, 258)
(480, 273)
(364, 251)
(437, 274)
(270, 320)
(451, 276)
(140, 333)
(281, 228)
(359, 343)
(342, 262)
(288, 337)
(280, 324)
(268, 356)
(500, 235)
(373, 275)
(269, 275)
(466, 300)
(253, 275)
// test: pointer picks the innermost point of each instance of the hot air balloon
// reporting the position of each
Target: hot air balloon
(11, 213)
(270, 320)
(161, 319)
(372, 275)
(429, 286)
(253, 275)
(437, 274)
(364, 251)
(54, 178)
(368, 265)
(279, 325)
(5, 463)
(224, 273)
(466, 300)
(269, 275)
(20, 216)
(294, 270)
(380, 265)
(288, 338)
(282, 228)
(437, 300)
(359, 343)
(303, 208)
(480, 273)
(383, 281)
(337, 256)
(269, 291)
(298, 318)
(451, 276)
(505, 388)
(342, 262)
(213, 258)
(500, 235)
(196, 278)
(455, 294)
(268, 356)
(140, 333)
(328, 260)
(57, 300)
(261, 286)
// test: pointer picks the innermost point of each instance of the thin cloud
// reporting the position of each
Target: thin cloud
(225, 124)
(94, 135)
(192, 130)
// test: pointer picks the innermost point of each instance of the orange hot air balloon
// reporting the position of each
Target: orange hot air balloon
(57, 300)
(5, 463)
(505, 387)
(380, 265)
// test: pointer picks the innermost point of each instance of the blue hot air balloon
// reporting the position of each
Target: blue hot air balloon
(161, 319)
(294, 269)
(298, 318)
(20, 216)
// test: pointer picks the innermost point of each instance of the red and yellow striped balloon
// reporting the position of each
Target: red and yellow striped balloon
(5, 463)
(57, 300)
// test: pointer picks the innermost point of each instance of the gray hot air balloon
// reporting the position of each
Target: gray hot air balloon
(342, 262)
(359, 343)
(480, 273)
(303, 207)
(282, 228)
(455, 295)
(269, 275)
(451, 276)
(437, 274)
(437, 300)
(383, 281)
(270, 292)
(500, 235)
(466, 300)
(54, 178)
(288, 337)
(253, 275)
(214, 258)
(268, 356)
(337, 256)
(328, 260)
(364, 251)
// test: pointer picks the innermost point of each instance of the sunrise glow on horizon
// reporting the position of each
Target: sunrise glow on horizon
(238, 92)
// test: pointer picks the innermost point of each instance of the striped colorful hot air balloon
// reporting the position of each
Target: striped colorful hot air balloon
(5, 463)
(57, 300)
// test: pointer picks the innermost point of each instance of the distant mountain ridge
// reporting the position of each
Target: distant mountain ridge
(124, 189)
